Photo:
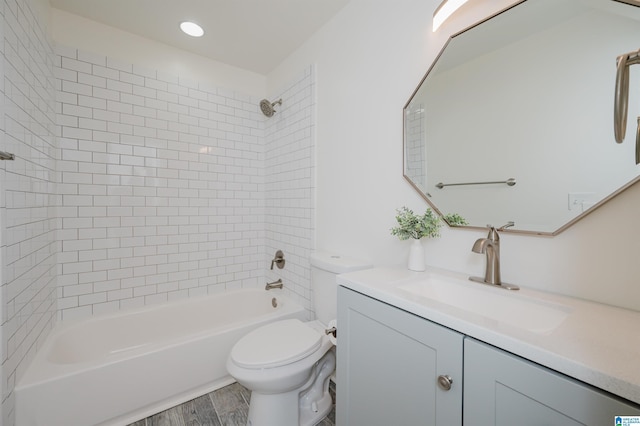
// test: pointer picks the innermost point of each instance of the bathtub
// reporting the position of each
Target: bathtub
(116, 369)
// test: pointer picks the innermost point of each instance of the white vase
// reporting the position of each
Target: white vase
(416, 256)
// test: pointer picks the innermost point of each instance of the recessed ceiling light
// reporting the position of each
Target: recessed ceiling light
(192, 29)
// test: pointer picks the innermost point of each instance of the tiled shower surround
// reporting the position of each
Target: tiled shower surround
(132, 186)
(163, 185)
(415, 157)
(28, 198)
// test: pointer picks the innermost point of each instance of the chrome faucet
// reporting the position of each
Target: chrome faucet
(491, 247)
(275, 284)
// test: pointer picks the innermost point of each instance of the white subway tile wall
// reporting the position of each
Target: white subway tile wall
(415, 150)
(28, 200)
(163, 186)
(290, 185)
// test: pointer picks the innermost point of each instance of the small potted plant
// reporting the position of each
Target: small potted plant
(416, 227)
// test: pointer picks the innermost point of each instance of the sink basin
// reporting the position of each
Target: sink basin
(510, 308)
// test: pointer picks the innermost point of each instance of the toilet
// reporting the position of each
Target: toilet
(287, 364)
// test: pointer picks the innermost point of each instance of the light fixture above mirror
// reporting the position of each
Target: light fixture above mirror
(444, 11)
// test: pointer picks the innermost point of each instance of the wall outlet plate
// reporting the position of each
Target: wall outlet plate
(581, 200)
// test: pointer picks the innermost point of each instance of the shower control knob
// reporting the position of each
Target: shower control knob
(278, 260)
(445, 382)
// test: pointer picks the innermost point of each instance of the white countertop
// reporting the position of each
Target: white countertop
(596, 343)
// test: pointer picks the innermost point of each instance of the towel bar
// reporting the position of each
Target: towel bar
(509, 182)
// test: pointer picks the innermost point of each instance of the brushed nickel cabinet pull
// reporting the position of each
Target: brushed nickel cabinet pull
(445, 382)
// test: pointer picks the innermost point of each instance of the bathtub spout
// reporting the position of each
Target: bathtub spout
(275, 284)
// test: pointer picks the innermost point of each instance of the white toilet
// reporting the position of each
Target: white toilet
(287, 364)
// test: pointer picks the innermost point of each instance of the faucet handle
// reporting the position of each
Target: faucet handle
(507, 225)
(278, 260)
(503, 227)
(493, 233)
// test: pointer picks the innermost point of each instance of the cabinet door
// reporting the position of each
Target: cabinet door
(388, 366)
(502, 389)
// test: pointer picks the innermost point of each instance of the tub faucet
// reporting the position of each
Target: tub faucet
(275, 284)
(491, 247)
(278, 260)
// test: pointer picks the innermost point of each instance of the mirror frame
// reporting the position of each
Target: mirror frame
(570, 223)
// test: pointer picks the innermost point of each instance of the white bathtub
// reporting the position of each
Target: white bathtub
(116, 369)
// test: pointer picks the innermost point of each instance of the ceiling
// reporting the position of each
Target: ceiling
(255, 35)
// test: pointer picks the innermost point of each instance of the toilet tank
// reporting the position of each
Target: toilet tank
(324, 269)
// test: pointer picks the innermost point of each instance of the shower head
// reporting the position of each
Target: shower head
(267, 107)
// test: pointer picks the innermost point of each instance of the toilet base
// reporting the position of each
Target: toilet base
(305, 406)
(312, 418)
(273, 409)
(265, 411)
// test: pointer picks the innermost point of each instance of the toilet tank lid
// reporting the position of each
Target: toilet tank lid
(337, 264)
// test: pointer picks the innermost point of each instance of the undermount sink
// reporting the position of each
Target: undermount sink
(513, 309)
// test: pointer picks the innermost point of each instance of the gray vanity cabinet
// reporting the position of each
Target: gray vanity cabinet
(390, 362)
(501, 389)
(389, 366)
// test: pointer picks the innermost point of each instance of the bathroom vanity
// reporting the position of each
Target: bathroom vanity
(433, 348)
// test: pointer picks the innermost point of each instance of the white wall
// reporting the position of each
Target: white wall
(90, 36)
(369, 60)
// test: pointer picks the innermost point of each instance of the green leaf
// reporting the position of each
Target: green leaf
(412, 226)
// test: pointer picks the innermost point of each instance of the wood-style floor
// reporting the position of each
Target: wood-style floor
(227, 406)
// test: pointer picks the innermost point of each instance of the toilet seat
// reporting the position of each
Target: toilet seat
(276, 344)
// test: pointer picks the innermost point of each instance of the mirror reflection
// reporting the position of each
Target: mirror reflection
(527, 95)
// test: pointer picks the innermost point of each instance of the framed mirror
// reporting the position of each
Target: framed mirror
(514, 120)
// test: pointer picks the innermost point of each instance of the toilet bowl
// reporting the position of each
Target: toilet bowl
(287, 364)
